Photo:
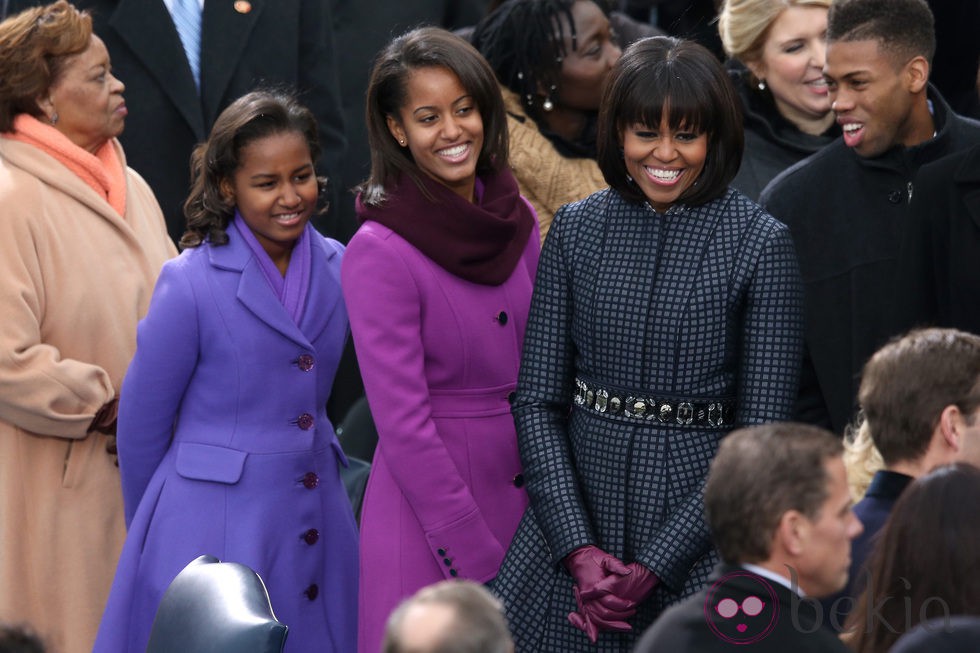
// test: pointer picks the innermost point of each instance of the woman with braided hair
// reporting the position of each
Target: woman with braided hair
(551, 58)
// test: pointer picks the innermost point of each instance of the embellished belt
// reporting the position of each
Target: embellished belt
(637, 405)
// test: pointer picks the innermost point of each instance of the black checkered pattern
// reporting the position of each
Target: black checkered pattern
(701, 302)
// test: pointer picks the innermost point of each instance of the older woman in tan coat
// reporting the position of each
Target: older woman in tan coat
(82, 240)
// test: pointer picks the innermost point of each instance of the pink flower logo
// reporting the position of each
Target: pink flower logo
(741, 608)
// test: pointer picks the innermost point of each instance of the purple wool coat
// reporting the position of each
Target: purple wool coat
(439, 356)
(225, 447)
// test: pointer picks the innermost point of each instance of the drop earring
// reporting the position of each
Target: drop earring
(761, 85)
(549, 104)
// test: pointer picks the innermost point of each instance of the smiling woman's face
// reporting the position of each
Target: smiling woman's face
(441, 126)
(87, 99)
(792, 62)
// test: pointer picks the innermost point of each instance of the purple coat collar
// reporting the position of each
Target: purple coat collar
(256, 294)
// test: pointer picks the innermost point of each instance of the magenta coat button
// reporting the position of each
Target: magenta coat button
(311, 536)
(312, 592)
(311, 480)
(305, 421)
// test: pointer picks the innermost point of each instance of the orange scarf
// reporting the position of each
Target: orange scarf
(102, 171)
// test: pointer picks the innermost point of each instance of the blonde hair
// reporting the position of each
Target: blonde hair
(744, 24)
(861, 459)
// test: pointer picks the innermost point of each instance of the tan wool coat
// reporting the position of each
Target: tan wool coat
(75, 278)
(546, 178)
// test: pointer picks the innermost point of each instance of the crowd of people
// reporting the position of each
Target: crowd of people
(669, 342)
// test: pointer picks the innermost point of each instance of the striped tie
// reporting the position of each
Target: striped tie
(187, 19)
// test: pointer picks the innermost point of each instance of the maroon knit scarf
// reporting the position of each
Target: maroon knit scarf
(480, 241)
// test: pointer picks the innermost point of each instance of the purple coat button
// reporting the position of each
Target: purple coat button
(311, 480)
(305, 421)
(311, 536)
(312, 592)
(305, 362)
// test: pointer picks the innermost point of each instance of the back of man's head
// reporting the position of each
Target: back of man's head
(759, 474)
(907, 383)
(454, 616)
(904, 28)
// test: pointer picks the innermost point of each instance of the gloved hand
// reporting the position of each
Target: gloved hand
(590, 565)
(593, 617)
(622, 592)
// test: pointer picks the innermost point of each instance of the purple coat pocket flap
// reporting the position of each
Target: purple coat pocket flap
(206, 462)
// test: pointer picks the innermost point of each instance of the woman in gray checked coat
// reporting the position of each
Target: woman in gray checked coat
(667, 311)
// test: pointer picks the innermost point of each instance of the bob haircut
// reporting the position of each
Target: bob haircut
(387, 93)
(35, 45)
(663, 74)
(251, 117)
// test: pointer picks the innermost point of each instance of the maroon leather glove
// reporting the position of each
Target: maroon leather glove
(589, 565)
(622, 592)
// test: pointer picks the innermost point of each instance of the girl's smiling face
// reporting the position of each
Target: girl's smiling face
(275, 190)
(441, 126)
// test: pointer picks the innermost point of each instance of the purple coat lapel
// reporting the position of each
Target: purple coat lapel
(256, 295)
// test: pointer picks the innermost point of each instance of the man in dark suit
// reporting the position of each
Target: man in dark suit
(243, 44)
(779, 510)
(920, 395)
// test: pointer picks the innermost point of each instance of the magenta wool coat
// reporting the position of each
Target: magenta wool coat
(439, 356)
(225, 447)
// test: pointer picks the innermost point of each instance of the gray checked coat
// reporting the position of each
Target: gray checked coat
(696, 303)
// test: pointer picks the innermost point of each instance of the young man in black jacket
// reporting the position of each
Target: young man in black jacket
(847, 205)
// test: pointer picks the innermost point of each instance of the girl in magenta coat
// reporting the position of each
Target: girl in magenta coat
(225, 447)
(438, 283)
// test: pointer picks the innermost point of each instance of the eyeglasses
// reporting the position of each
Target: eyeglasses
(751, 606)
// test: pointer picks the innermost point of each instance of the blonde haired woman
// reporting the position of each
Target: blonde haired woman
(777, 50)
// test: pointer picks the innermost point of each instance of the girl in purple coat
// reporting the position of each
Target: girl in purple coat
(438, 284)
(224, 444)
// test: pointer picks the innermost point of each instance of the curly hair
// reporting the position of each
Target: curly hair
(35, 46)
(251, 117)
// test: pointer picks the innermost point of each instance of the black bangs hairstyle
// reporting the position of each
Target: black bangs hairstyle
(426, 47)
(251, 117)
(683, 78)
